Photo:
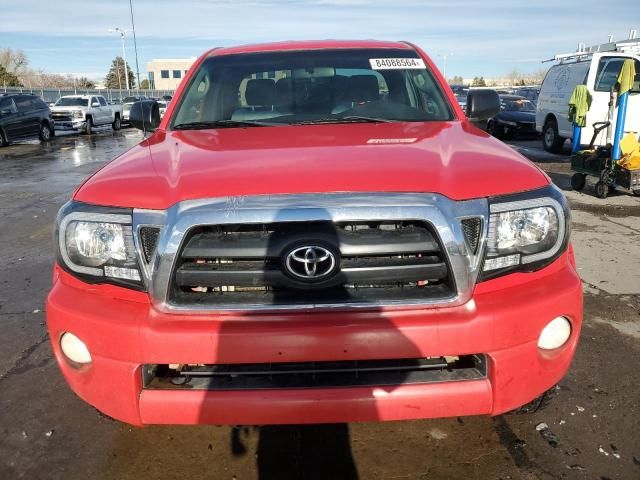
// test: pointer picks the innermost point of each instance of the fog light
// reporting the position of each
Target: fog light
(74, 348)
(555, 334)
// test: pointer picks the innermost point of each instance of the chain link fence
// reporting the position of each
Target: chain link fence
(50, 95)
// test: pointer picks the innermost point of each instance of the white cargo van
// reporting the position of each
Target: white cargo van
(597, 68)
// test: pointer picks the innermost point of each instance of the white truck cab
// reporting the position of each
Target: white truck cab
(83, 112)
(597, 68)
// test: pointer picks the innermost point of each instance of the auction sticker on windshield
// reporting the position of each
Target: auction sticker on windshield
(396, 63)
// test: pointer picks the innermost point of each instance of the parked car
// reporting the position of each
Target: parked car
(517, 116)
(530, 93)
(167, 97)
(84, 112)
(24, 116)
(127, 102)
(163, 105)
(599, 72)
(315, 234)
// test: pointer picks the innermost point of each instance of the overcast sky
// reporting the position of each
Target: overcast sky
(479, 37)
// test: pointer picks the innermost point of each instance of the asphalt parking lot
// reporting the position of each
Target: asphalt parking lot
(48, 433)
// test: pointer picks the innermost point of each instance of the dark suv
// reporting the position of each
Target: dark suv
(24, 116)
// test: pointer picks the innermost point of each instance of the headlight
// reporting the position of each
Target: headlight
(97, 243)
(78, 114)
(526, 232)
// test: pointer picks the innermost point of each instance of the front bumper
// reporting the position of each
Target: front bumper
(503, 321)
(71, 125)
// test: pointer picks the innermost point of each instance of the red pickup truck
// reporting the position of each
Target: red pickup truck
(314, 232)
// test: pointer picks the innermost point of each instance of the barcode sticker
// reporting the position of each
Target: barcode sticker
(396, 63)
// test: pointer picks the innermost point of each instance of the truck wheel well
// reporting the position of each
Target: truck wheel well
(549, 118)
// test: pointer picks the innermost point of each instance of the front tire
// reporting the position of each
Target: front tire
(89, 126)
(497, 130)
(578, 181)
(45, 132)
(117, 124)
(551, 139)
(602, 189)
(538, 403)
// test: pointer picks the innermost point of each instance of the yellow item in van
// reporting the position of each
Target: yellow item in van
(627, 75)
(630, 162)
(629, 144)
(630, 152)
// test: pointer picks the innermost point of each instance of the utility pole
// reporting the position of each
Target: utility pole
(135, 46)
(444, 69)
(122, 33)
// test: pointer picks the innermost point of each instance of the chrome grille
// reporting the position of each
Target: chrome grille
(248, 217)
(393, 260)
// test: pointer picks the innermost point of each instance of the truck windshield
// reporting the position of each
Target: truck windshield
(313, 86)
(72, 102)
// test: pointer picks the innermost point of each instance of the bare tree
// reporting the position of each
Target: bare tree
(14, 61)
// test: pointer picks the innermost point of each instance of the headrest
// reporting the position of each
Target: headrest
(284, 92)
(261, 91)
(364, 88)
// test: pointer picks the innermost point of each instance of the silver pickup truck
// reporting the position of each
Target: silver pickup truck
(83, 112)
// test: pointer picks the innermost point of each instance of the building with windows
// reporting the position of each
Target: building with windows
(167, 73)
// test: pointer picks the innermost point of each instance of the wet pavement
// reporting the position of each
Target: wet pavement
(48, 433)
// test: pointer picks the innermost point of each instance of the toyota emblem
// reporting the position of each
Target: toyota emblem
(310, 262)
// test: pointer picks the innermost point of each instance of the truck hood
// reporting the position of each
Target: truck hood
(66, 109)
(451, 158)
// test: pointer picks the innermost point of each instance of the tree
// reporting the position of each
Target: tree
(478, 82)
(84, 82)
(456, 80)
(8, 79)
(14, 61)
(514, 77)
(116, 77)
(144, 84)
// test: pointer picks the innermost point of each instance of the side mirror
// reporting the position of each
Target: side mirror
(482, 104)
(145, 115)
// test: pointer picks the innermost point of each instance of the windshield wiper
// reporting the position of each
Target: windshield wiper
(220, 124)
(347, 119)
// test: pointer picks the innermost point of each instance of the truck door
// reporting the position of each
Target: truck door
(105, 111)
(601, 81)
(96, 114)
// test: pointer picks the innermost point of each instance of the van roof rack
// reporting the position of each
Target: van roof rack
(631, 45)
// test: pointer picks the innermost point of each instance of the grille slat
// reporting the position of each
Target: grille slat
(235, 264)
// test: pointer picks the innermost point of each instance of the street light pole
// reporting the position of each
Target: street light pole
(135, 46)
(444, 69)
(124, 54)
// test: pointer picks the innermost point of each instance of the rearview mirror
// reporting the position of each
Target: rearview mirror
(145, 115)
(482, 104)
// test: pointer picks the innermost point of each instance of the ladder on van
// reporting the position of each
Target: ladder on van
(631, 45)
